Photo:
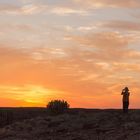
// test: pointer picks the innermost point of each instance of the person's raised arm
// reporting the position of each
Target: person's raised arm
(122, 92)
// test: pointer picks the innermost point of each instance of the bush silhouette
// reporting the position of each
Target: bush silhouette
(57, 106)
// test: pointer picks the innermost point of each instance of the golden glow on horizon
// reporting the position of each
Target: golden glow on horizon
(31, 94)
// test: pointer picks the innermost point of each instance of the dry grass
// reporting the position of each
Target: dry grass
(77, 125)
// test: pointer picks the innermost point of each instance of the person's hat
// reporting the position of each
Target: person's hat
(126, 88)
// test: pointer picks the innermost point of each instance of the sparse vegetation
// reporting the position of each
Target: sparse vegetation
(6, 117)
(11, 115)
(57, 106)
(77, 124)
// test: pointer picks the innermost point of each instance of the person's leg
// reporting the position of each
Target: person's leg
(124, 107)
(127, 105)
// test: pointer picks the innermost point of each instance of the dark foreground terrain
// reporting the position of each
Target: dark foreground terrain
(77, 124)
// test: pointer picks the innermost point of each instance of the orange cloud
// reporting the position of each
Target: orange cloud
(60, 74)
(85, 60)
(66, 11)
(123, 25)
(40, 8)
(109, 3)
(28, 9)
(83, 73)
(107, 45)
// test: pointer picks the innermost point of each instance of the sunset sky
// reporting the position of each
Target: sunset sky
(82, 51)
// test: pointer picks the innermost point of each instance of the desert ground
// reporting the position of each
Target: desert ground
(76, 124)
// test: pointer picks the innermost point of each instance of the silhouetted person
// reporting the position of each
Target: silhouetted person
(125, 93)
